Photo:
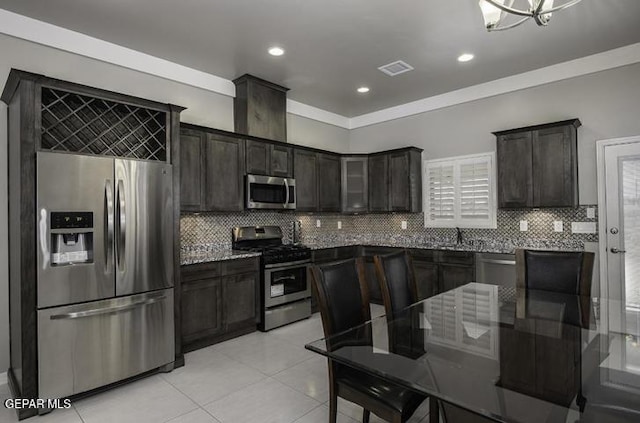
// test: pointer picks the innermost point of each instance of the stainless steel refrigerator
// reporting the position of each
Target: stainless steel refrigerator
(105, 270)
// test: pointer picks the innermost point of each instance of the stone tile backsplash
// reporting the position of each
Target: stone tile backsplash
(214, 229)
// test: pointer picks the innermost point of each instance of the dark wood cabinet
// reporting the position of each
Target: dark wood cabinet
(224, 170)
(269, 159)
(240, 298)
(514, 156)
(451, 276)
(201, 309)
(378, 183)
(257, 154)
(538, 166)
(191, 170)
(305, 163)
(212, 171)
(260, 108)
(405, 181)
(281, 161)
(555, 167)
(355, 191)
(219, 301)
(328, 183)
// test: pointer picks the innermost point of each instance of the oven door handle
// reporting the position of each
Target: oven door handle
(290, 265)
(284, 278)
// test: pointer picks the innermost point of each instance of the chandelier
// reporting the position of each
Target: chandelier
(495, 12)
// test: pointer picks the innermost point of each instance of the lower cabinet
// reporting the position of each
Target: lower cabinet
(201, 309)
(451, 276)
(435, 271)
(219, 301)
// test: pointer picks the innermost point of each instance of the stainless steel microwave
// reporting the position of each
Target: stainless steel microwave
(271, 192)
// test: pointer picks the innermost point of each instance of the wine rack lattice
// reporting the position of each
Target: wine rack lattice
(83, 124)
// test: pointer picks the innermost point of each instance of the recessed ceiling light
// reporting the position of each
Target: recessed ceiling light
(363, 90)
(465, 57)
(276, 51)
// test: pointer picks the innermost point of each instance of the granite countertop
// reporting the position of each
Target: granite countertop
(477, 246)
(204, 254)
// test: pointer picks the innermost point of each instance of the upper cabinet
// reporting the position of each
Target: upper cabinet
(211, 171)
(538, 166)
(260, 108)
(306, 174)
(355, 193)
(405, 180)
(329, 182)
(378, 182)
(269, 159)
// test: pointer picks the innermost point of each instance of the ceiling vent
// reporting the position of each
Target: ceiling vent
(396, 68)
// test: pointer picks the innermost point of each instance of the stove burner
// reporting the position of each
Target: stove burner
(267, 240)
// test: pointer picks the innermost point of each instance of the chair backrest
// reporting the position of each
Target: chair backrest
(397, 281)
(343, 298)
(557, 271)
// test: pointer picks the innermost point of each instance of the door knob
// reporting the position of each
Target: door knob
(616, 251)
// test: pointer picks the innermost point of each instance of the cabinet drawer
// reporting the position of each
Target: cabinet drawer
(378, 251)
(418, 254)
(324, 255)
(194, 272)
(236, 266)
(344, 253)
(456, 257)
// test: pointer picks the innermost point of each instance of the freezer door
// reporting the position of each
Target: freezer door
(86, 346)
(74, 265)
(143, 226)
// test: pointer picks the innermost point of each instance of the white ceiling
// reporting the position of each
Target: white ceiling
(334, 46)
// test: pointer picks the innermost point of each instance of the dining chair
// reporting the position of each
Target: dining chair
(343, 300)
(398, 288)
(566, 272)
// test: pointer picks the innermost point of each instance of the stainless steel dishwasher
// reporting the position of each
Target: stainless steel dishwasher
(496, 269)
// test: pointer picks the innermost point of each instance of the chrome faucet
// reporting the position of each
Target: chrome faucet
(459, 236)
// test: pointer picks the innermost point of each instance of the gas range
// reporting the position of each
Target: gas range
(267, 240)
(284, 291)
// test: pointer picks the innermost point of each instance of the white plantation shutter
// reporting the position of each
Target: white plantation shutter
(460, 192)
(441, 195)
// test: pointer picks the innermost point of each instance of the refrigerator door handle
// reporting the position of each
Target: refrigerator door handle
(121, 221)
(107, 310)
(44, 248)
(109, 223)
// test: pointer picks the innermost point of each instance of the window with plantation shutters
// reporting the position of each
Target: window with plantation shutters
(460, 192)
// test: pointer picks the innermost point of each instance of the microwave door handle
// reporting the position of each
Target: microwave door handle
(286, 188)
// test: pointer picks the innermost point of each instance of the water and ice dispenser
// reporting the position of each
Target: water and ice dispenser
(71, 238)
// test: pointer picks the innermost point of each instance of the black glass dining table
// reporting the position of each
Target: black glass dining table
(495, 353)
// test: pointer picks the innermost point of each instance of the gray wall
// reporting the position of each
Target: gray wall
(203, 108)
(607, 103)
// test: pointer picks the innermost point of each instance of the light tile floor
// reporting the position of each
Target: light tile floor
(260, 377)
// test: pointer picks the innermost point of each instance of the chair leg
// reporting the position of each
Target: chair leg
(333, 405)
(365, 415)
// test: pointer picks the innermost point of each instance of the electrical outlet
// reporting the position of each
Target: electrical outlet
(524, 226)
(557, 226)
(403, 224)
(591, 213)
(339, 224)
(583, 227)
(318, 223)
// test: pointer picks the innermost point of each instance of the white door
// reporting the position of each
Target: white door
(622, 240)
(620, 249)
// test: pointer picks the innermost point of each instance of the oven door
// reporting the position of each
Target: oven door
(286, 283)
(270, 192)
